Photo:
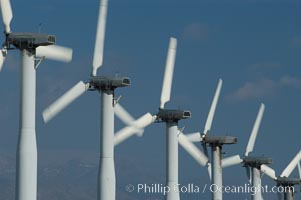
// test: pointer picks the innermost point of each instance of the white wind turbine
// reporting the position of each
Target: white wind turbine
(34, 47)
(216, 143)
(106, 86)
(251, 163)
(196, 137)
(283, 180)
(170, 117)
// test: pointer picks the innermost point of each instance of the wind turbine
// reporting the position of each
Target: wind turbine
(34, 47)
(283, 180)
(252, 164)
(196, 137)
(170, 117)
(216, 143)
(106, 87)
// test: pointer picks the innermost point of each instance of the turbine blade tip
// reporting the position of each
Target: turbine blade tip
(173, 43)
(47, 116)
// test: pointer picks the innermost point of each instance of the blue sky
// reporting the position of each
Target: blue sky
(254, 46)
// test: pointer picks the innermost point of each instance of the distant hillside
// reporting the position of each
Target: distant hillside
(67, 177)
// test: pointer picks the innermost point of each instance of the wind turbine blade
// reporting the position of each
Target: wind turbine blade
(7, 14)
(213, 107)
(209, 169)
(194, 137)
(55, 52)
(254, 132)
(291, 166)
(230, 161)
(64, 101)
(249, 174)
(192, 150)
(299, 170)
(268, 171)
(3, 53)
(125, 117)
(205, 149)
(100, 37)
(124, 134)
(169, 69)
(207, 155)
(128, 131)
(144, 121)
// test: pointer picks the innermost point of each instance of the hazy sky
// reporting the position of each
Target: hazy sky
(253, 45)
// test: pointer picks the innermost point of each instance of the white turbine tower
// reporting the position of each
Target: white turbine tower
(106, 86)
(33, 49)
(283, 180)
(252, 164)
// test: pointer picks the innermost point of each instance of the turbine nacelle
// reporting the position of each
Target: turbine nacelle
(256, 161)
(107, 83)
(29, 40)
(219, 140)
(284, 181)
(172, 115)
